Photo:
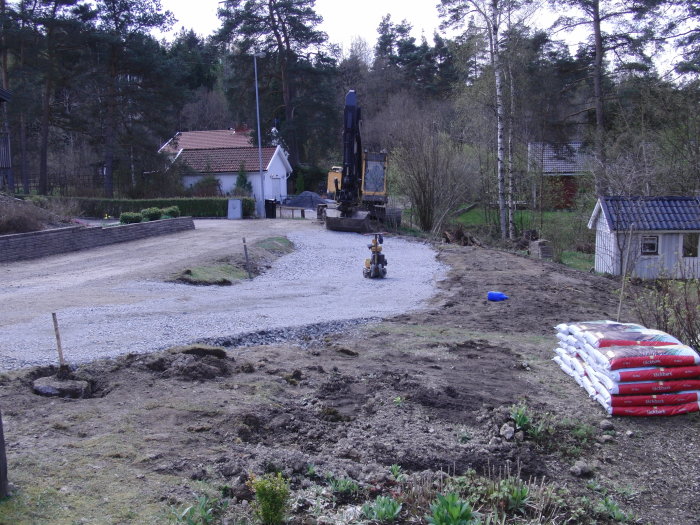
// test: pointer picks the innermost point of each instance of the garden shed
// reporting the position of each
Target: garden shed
(647, 237)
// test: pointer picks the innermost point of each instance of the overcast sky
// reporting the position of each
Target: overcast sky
(342, 20)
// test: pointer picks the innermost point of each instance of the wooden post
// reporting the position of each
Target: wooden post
(61, 362)
(4, 488)
(247, 261)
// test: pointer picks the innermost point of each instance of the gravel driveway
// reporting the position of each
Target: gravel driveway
(113, 300)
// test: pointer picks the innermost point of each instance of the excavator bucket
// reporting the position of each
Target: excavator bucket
(358, 222)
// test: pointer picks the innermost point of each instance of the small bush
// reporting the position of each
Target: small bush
(171, 211)
(271, 496)
(130, 217)
(152, 214)
(248, 205)
(385, 509)
(451, 510)
(19, 220)
(206, 186)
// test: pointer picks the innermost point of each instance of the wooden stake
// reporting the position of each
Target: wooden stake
(4, 488)
(61, 362)
(247, 261)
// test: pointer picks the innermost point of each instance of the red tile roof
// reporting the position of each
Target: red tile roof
(220, 138)
(226, 160)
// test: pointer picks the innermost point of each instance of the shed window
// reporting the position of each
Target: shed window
(650, 245)
(690, 244)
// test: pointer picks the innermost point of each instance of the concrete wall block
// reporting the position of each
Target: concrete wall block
(33, 245)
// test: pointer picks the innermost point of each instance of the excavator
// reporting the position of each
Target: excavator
(359, 187)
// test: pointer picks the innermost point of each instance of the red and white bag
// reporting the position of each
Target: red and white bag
(671, 410)
(618, 357)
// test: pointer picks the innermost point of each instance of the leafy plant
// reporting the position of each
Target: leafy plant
(583, 433)
(611, 509)
(517, 494)
(520, 414)
(311, 470)
(204, 512)
(451, 510)
(463, 435)
(396, 472)
(130, 217)
(537, 427)
(343, 485)
(271, 497)
(398, 401)
(385, 509)
(152, 214)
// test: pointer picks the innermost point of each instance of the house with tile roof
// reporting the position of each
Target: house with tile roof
(557, 167)
(647, 237)
(222, 153)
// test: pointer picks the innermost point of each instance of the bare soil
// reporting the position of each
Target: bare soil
(428, 391)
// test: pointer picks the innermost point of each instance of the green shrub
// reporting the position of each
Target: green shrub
(271, 495)
(385, 509)
(451, 510)
(206, 186)
(130, 217)
(152, 214)
(171, 211)
(248, 205)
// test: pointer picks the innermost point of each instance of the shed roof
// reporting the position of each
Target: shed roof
(218, 138)
(567, 158)
(226, 160)
(651, 213)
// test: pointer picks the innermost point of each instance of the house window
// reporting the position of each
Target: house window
(690, 244)
(650, 245)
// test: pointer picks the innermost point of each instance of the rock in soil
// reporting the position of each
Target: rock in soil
(51, 386)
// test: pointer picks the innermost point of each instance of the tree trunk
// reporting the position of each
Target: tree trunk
(6, 85)
(44, 139)
(600, 182)
(110, 134)
(500, 117)
(4, 488)
(511, 182)
(23, 168)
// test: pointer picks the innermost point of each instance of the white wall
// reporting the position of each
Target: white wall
(275, 182)
(606, 248)
(669, 263)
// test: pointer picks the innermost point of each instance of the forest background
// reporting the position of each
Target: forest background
(95, 94)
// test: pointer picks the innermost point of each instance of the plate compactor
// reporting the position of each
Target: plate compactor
(375, 266)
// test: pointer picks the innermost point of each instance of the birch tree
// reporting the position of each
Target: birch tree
(494, 15)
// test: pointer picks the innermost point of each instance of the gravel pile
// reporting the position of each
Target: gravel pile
(318, 287)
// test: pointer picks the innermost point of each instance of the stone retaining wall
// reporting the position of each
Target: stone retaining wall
(22, 246)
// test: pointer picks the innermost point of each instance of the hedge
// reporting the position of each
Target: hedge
(130, 217)
(189, 207)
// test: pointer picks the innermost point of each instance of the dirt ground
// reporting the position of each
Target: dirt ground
(428, 391)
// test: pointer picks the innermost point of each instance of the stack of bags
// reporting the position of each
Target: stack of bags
(629, 369)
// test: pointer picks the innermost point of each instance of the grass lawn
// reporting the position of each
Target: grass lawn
(564, 229)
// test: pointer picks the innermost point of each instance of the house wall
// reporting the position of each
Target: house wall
(669, 263)
(606, 249)
(275, 178)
